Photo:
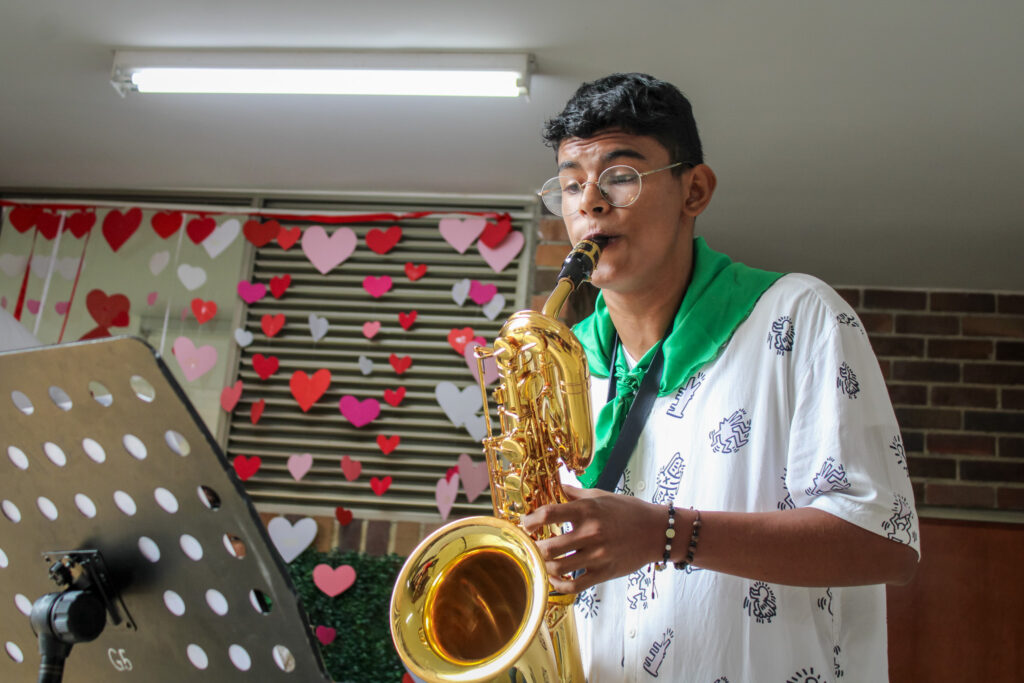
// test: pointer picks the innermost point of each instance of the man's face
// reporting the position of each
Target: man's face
(649, 240)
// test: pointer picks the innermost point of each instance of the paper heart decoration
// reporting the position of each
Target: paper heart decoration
(365, 365)
(243, 337)
(287, 237)
(371, 328)
(12, 265)
(151, 298)
(460, 290)
(81, 222)
(108, 311)
(272, 324)
(279, 285)
(475, 476)
(256, 410)
(444, 495)
(377, 286)
(61, 307)
(166, 223)
(307, 390)
(400, 365)
(493, 307)
(317, 327)
(458, 405)
(245, 467)
(65, 267)
(33, 306)
(265, 366)
(495, 232)
(326, 253)
(299, 465)
(326, 635)
(23, 218)
(459, 338)
(490, 365)
(499, 257)
(460, 233)
(382, 241)
(193, 277)
(118, 227)
(222, 237)
(250, 292)
(229, 396)
(407, 320)
(261, 234)
(359, 413)
(394, 398)
(203, 310)
(451, 472)
(379, 486)
(199, 228)
(48, 224)
(291, 539)
(194, 362)
(476, 425)
(387, 444)
(159, 261)
(343, 515)
(481, 293)
(414, 272)
(333, 582)
(351, 468)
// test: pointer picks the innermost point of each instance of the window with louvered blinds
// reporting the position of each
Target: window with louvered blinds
(349, 466)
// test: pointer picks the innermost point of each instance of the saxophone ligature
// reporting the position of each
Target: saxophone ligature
(473, 602)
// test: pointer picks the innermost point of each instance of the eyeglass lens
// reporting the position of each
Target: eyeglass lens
(619, 185)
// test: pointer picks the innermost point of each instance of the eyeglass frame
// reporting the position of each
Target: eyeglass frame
(604, 195)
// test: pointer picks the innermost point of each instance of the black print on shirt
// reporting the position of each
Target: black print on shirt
(806, 676)
(846, 382)
(900, 527)
(760, 602)
(831, 477)
(849, 320)
(684, 396)
(721, 679)
(638, 589)
(787, 500)
(897, 450)
(732, 434)
(623, 485)
(587, 603)
(837, 668)
(780, 339)
(656, 655)
(825, 603)
(669, 477)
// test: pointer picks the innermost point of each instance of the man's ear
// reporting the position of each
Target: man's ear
(699, 188)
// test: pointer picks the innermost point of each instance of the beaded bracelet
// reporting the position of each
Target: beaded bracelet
(670, 533)
(692, 547)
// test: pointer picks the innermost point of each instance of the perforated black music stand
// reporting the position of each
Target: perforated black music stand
(110, 482)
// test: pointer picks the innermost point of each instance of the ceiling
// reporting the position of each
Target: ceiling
(876, 142)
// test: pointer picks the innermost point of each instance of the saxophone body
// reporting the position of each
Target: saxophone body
(473, 602)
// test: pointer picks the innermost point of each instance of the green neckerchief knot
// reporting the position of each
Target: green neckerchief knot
(720, 296)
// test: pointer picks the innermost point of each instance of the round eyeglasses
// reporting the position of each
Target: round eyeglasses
(619, 185)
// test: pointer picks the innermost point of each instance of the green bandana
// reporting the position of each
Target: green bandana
(720, 296)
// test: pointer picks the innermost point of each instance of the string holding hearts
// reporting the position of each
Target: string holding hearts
(306, 389)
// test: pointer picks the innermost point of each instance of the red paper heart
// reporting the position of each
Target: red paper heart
(351, 468)
(166, 223)
(343, 516)
(394, 398)
(265, 366)
(308, 390)
(48, 224)
(24, 217)
(203, 310)
(261, 234)
(388, 443)
(108, 311)
(407, 320)
(383, 241)
(279, 285)
(198, 229)
(400, 364)
(459, 338)
(118, 227)
(326, 634)
(272, 324)
(406, 678)
(496, 232)
(287, 237)
(246, 467)
(81, 222)
(452, 471)
(229, 396)
(256, 412)
(414, 272)
(379, 486)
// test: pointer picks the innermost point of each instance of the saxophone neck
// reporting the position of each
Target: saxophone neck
(576, 269)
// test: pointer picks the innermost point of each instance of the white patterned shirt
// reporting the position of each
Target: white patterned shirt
(794, 412)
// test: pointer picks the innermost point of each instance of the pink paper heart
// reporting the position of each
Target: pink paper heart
(33, 306)
(351, 468)
(444, 494)
(359, 413)
(299, 465)
(250, 292)
(326, 634)
(371, 328)
(460, 233)
(333, 581)
(194, 362)
(377, 286)
(325, 251)
(502, 255)
(481, 293)
(229, 396)
(151, 298)
(490, 365)
(62, 307)
(475, 476)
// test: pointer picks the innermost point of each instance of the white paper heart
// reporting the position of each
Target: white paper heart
(493, 307)
(222, 237)
(12, 265)
(159, 261)
(458, 405)
(243, 337)
(193, 277)
(444, 494)
(476, 425)
(291, 540)
(365, 365)
(65, 267)
(317, 326)
(460, 290)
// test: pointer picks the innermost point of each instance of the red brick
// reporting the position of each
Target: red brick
(962, 301)
(999, 471)
(898, 346)
(1010, 351)
(1011, 303)
(544, 280)
(553, 230)
(850, 295)
(908, 394)
(901, 299)
(378, 537)
(928, 418)
(407, 536)
(913, 442)
(960, 495)
(928, 324)
(324, 540)
(918, 488)
(993, 373)
(1010, 498)
(886, 367)
(1012, 399)
(876, 322)
(993, 326)
(960, 396)
(931, 468)
(961, 444)
(1011, 447)
(975, 349)
(350, 536)
(925, 371)
(550, 255)
(992, 421)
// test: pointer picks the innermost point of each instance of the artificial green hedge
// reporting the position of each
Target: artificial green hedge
(362, 651)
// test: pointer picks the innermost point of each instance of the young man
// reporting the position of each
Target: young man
(768, 477)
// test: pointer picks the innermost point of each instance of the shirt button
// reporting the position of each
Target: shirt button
(641, 485)
(632, 633)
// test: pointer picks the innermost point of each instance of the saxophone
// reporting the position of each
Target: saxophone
(473, 602)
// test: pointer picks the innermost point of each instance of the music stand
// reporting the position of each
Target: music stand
(110, 483)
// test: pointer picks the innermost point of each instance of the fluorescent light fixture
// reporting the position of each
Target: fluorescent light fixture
(323, 73)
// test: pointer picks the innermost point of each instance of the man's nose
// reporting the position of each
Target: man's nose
(592, 200)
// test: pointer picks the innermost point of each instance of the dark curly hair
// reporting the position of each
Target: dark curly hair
(637, 104)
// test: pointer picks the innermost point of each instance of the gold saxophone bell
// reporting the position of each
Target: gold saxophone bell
(473, 602)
